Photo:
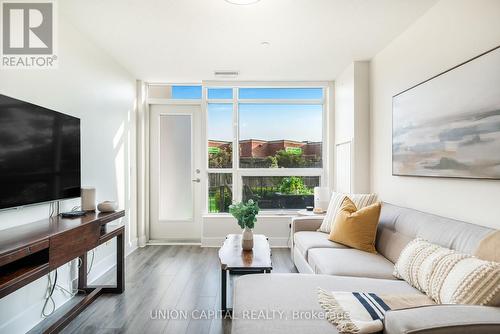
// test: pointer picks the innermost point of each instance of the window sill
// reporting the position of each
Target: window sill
(263, 214)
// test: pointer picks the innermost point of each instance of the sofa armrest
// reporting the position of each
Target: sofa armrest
(308, 223)
(444, 319)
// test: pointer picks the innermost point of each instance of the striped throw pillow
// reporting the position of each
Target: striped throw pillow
(360, 200)
(449, 277)
(417, 261)
(464, 279)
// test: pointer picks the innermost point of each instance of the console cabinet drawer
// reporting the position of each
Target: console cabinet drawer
(73, 243)
(23, 252)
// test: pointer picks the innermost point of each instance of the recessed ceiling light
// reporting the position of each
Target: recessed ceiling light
(242, 2)
(265, 44)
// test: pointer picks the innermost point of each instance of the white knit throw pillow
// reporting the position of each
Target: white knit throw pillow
(404, 268)
(360, 200)
(467, 280)
(448, 277)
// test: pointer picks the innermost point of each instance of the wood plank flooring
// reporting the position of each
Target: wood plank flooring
(165, 278)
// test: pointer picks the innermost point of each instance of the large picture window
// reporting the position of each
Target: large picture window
(220, 135)
(280, 192)
(280, 135)
(265, 144)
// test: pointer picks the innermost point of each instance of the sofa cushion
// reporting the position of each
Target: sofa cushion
(350, 262)
(390, 243)
(444, 319)
(293, 293)
(489, 247)
(411, 224)
(306, 240)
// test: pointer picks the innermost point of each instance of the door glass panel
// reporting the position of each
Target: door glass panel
(176, 193)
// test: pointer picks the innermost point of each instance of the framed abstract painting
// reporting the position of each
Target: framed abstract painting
(449, 125)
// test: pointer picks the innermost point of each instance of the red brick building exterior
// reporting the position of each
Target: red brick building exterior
(255, 148)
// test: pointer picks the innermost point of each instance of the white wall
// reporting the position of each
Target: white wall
(449, 33)
(352, 125)
(344, 105)
(88, 84)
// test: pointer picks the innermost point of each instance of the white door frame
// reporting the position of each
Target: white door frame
(192, 233)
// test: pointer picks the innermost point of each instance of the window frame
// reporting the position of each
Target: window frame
(237, 172)
(169, 100)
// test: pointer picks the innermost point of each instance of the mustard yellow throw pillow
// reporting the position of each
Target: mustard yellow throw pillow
(356, 228)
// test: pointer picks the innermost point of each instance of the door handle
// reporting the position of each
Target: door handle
(197, 180)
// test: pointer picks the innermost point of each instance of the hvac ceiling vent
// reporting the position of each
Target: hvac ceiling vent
(226, 74)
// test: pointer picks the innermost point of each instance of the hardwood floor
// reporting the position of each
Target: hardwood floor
(165, 278)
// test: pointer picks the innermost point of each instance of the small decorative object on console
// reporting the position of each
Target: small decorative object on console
(321, 199)
(107, 206)
(88, 199)
(318, 211)
(246, 214)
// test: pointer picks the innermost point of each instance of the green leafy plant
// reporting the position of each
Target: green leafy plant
(220, 159)
(289, 159)
(221, 204)
(272, 161)
(245, 213)
(294, 185)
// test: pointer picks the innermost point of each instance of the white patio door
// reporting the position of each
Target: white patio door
(175, 185)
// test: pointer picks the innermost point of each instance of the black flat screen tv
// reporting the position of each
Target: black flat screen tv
(39, 154)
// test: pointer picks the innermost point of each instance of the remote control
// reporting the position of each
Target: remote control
(73, 214)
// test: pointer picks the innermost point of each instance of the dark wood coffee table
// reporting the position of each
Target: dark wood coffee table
(234, 260)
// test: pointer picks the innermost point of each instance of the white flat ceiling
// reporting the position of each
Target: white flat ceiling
(186, 40)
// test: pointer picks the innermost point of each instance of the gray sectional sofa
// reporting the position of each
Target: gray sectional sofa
(290, 300)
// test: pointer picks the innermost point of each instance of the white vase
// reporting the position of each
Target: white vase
(321, 198)
(88, 199)
(247, 239)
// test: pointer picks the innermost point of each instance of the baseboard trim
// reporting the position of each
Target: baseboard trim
(174, 242)
(143, 240)
(133, 245)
